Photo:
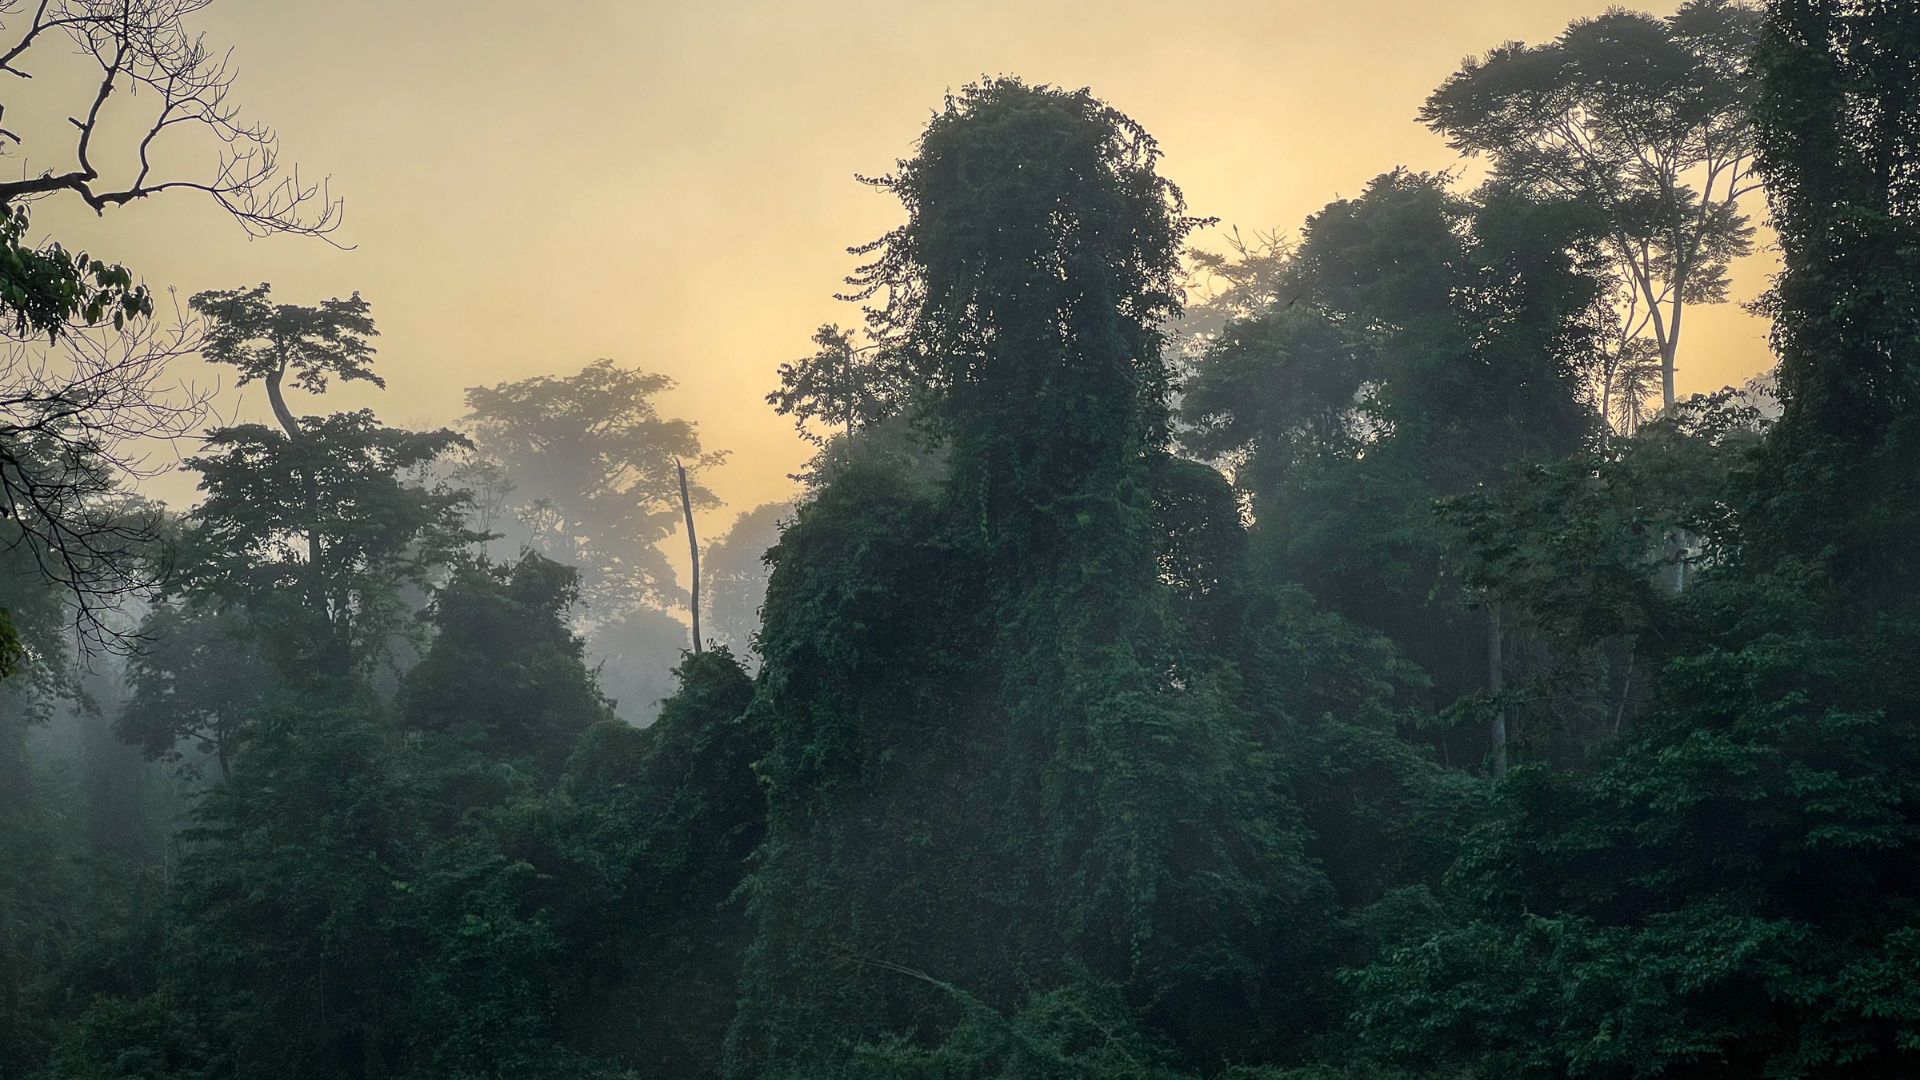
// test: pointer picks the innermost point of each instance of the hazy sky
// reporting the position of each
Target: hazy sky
(532, 186)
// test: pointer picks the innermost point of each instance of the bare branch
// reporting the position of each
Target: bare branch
(145, 45)
(77, 418)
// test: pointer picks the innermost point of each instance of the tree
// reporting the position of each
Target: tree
(1648, 120)
(994, 660)
(1030, 426)
(376, 532)
(79, 405)
(677, 810)
(78, 419)
(735, 575)
(1730, 890)
(839, 387)
(1427, 343)
(592, 464)
(1836, 142)
(267, 342)
(323, 508)
(144, 50)
(199, 681)
(505, 675)
(64, 511)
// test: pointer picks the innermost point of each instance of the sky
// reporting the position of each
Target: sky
(530, 187)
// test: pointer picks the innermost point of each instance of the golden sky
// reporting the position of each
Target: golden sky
(532, 186)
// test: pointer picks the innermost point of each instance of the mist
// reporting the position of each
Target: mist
(1248, 542)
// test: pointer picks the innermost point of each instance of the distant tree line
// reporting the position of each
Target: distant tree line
(1327, 659)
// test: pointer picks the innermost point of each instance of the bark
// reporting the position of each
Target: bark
(309, 490)
(693, 549)
(1496, 682)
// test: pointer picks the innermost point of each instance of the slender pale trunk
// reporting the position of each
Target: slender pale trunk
(1606, 398)
(1626, 689)
(1667, 343)
(309, 490)
(1496, 682)
(693, 549)
(1669, 353)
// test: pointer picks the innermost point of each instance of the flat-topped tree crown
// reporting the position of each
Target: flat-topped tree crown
(269, 341)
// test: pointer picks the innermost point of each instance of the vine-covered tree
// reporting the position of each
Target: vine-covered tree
(994, 660)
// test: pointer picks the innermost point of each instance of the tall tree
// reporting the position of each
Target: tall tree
(1425, 342)
(92, 388)
(592, 464)
(267, 342)
(323, 508)
(994, 659)
(1648, 120)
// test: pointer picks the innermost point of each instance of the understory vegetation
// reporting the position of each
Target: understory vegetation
(1342, 656)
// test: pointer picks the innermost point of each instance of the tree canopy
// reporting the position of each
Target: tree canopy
(1343, 673)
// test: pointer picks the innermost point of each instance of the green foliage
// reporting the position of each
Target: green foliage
(733, 576)
(1731, 890)
(196, 687)
(13, 653)
(670, 816)
(1036, 340)
(504, 675)
(267, 341)
(1837, 120)
(1068, 757)
(319, 528)
(377, 531)
(1719, 895)
(592, 469)
(839, 386)
(47, 291)
(1002, 749)
(1082, 1031)
(1428, 343)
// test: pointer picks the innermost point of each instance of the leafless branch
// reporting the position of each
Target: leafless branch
(144, 48)
(78, 417)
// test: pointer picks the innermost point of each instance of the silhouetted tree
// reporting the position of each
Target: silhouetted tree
(1646, 120)
(592, 464)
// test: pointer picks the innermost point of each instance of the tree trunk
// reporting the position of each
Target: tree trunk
(693, 549)
(310, 492)
(1669, 349)
(1496, 682)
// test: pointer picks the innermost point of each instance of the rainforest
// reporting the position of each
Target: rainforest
(1365, 648)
